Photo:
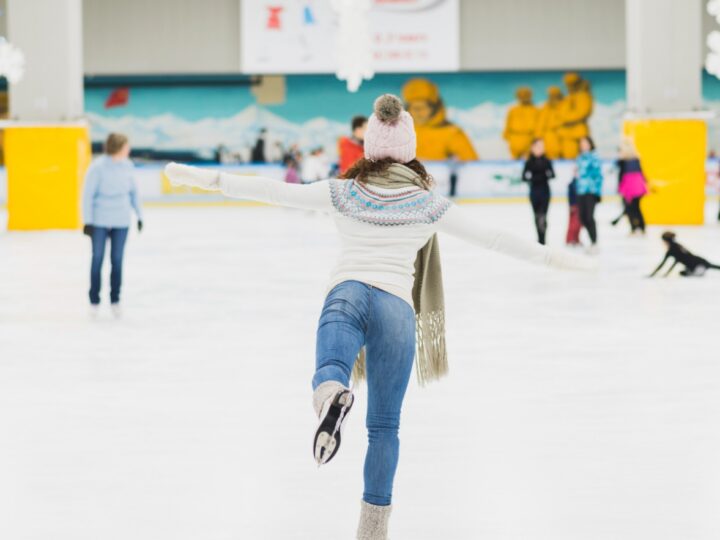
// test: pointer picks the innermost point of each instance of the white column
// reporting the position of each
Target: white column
(664, 58)
(49, 33)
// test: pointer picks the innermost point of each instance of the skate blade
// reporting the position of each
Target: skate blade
(324, 448)
(327, 439)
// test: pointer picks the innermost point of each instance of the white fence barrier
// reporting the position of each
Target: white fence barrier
(478, 179)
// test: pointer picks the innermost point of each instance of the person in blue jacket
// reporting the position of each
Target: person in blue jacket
(589, 187)
(109, 195)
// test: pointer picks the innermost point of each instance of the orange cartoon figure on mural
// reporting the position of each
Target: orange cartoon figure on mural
(437, 138)
(575, 110)
(549, 122)
(520, 124)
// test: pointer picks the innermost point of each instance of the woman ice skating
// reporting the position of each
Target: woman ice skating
(694, 266)
(538, 172)
(385, 290)
(632, 186)
(109, 195)
(589, 188)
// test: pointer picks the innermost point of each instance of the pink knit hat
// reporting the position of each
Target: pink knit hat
(390, 131)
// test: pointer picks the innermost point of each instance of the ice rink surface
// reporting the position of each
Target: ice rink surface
(579, 406)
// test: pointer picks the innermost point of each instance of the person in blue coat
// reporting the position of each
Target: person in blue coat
(589, 187)
(109, 196)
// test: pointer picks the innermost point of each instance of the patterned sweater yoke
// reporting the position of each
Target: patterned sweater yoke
(377, 206)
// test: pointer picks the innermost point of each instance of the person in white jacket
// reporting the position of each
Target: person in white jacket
(315, 166)
(384, 305)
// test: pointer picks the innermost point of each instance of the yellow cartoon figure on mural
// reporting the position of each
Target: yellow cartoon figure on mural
(520, 124)
(575, 110)
(549, 122)
(437, 138)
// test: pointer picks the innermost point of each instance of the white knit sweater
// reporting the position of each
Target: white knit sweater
(381, 230)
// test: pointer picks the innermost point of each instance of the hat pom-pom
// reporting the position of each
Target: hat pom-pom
(388, 108)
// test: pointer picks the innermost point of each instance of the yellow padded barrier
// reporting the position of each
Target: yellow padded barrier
(673, 160)
(45, 170)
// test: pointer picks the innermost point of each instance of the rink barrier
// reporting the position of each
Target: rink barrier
(480, 182)
(674, 163)
(43, 188)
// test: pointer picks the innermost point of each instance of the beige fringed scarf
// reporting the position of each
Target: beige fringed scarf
(428, 299)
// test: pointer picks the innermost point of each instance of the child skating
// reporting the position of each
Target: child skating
(572, 238)
(694, 266)
(632, 186)
(385, 290)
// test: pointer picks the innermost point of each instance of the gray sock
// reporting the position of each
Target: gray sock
(373, 521)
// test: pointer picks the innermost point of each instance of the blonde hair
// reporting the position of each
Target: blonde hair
(114, 143)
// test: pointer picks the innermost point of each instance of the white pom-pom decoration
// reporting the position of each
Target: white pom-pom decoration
(712, 64)
(712, 61)
(354, 46)
(12, 62)
(713, 41)
(713, 8)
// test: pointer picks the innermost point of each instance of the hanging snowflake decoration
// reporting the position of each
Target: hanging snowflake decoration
(354, 46)
(712, 60)
(712, 64)
(713, 8)
(12, 62)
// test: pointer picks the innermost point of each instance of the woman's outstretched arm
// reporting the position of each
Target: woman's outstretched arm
(314, 196)
(458, 223)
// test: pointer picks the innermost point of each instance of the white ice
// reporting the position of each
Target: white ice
(579, 406)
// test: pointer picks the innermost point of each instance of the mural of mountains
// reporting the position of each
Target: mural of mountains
(170, 132)
(167, 132)
(196, 119)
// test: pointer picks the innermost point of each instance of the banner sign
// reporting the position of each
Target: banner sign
(301, 36)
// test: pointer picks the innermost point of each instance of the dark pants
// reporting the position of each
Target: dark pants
(624, 212)
(586, 204)
(453, 184)
(117, 248)
(637, 221)
(540, 200)
(697, 266)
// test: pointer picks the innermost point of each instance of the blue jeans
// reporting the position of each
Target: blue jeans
(356, 314)
(117, 249)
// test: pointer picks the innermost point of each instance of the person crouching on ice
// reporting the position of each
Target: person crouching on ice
(385, 290)
(694, 265)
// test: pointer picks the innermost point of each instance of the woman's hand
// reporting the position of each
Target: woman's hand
(88, 230)
(184, 175)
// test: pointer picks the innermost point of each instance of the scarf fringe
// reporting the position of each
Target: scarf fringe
(431, 357)
(431, 361)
